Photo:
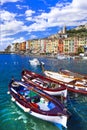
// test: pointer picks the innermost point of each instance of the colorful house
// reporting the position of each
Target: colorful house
(22, 46)
(60, 45)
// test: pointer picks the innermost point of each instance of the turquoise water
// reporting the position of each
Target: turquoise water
(13, 118)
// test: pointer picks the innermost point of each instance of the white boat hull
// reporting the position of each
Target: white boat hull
(54, 119)
(58, 76)
(85, 58)
(35, 62)
(80, 87)
(58, 93)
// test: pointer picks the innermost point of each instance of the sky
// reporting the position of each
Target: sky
(22, 20)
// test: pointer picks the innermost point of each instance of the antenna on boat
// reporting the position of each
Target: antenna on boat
(62, 97)
(12, 79)
(23, 70)
(43, 69)
(61, 69)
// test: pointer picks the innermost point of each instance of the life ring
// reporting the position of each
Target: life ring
(15, 84)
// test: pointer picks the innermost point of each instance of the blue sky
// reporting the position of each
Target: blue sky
(21, 20)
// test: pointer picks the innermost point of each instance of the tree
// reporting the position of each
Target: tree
(80, 49)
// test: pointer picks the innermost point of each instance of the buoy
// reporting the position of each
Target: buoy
(22, 79)
(8, 92)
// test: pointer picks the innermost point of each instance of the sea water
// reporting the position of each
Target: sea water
(13, 118)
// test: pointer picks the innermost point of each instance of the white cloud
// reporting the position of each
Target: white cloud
(5, 42)
(29, 13)
(10, 25)
(7, 16)
(69, 14)
(21, 6)
(33, 37)
(29, 19)
(37, 27)
(44, 1)
(21, 39)
(8, 39)
(5, 1)
(81, 4)
(13, 27)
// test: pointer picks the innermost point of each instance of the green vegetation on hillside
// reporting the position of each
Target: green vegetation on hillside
(80, 32)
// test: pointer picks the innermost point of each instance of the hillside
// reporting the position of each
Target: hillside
(81, 27)
(78, 31)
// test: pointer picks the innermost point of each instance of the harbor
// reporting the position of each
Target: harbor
(11, 115)
(43, 65)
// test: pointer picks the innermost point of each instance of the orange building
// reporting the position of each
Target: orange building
(22, 46)
(60, 45)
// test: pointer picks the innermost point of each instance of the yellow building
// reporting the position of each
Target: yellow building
(42, 46)
(55, 45)
(81, 41)
(49, 46)
(35, 46)
(69, 45)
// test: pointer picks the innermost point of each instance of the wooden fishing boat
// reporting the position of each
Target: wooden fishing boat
(73, 74)
(74, 84)
(48, 85)
(38, 103)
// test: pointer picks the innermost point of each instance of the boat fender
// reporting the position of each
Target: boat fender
(27, 109)
(22, 79)
(21, 97)
(65, 109)
(13, 99)
(59, 114)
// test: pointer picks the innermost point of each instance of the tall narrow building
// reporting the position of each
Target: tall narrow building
(64, 29)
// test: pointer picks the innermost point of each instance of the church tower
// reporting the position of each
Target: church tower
(64, 29)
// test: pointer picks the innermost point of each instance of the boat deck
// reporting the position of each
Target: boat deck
(36, 100)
